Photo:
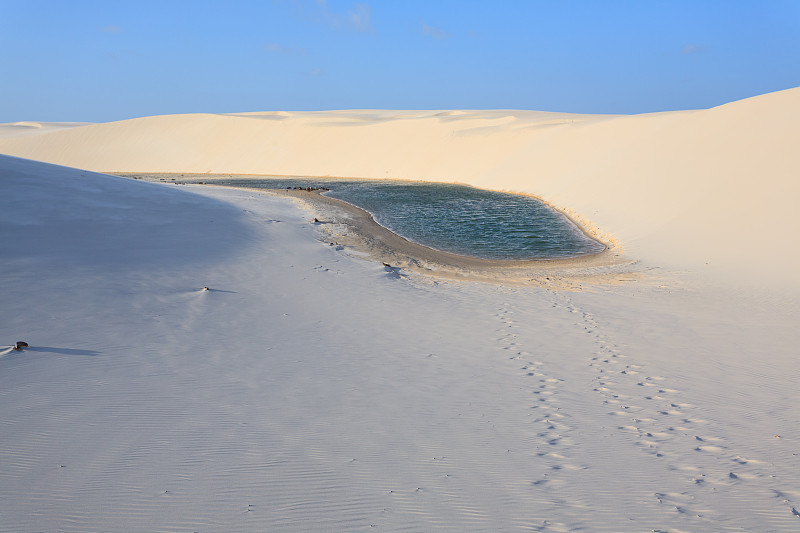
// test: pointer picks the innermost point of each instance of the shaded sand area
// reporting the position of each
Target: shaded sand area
(313, 388)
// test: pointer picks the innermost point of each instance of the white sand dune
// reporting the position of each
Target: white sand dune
(310, 389)
(710, 191)
(25, 128)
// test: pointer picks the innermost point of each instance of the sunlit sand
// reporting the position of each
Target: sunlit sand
(210, 359)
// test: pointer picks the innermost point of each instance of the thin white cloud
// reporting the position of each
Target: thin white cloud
(360, 18)
(692, 48)
(112, 29)
(432, 31)
(357, 18)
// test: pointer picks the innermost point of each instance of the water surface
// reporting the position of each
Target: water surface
(452, 218)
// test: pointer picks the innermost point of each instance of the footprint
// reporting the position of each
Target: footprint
(709, 448)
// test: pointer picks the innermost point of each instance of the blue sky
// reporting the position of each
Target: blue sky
(110, 60)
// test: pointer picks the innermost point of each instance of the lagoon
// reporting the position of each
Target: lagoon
(448, 217)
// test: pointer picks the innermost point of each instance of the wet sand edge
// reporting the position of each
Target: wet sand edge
(347, 226)
(350, 226)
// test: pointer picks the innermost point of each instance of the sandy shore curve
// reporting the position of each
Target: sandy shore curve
(351, 226)
(348, 226)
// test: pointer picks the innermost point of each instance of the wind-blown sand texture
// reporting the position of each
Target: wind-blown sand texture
(311, 389)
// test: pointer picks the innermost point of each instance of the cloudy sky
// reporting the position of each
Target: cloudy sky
(110, 60)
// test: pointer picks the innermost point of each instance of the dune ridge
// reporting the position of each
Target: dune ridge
(709, 191)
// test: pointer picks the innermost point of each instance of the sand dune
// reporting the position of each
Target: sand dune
(25, 128)
(710, 191)
(310, 389)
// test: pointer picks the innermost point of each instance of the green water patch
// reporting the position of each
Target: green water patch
(452, 218)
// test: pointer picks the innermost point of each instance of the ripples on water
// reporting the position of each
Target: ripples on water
(454, 218)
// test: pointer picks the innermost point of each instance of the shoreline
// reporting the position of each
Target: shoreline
(586, 227)
(349, 226)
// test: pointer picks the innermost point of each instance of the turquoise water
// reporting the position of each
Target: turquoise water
(454, 218)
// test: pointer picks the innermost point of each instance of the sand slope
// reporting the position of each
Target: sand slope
(310, 390)
(710, 191)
